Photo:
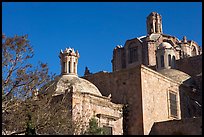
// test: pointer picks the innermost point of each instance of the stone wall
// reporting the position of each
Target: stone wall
(87, 106)
(144, 90)
(151, 54)
(190, 126)
(125, 88)
(102, 80)
(190, 65)
(155, 102)
(193, 67)
(131, 44)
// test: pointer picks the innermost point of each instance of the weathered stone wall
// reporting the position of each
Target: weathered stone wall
(155, 103)
(130, 44)
(144, 53)
(125, 88)
(118, 61)
(86, 106)
(151, 54)
(190, 126)
(144, 90)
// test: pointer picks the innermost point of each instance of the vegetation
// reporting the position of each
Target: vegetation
(28, 106)
(94, 129)
(23, 93)
(30, 129)
(125, 118)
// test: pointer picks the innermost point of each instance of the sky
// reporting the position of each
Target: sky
(94, 28)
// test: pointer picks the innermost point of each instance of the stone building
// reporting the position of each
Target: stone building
(153, 87)
(154, 77)
(154, 49)
(187, 126)
(84, 99)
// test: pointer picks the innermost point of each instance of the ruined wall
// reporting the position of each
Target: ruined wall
(86, 106)
(155, 103)
(190, 126)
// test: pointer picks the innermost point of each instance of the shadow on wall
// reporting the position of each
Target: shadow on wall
(190, 99)
(187, 126)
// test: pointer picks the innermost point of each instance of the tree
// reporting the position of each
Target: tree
(53, 116)
(25, 91)
(30, 129)
(94, 129)
(20, 80)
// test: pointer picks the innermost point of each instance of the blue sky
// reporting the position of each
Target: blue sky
(94, 28)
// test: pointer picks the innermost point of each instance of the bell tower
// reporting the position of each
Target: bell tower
(154, 23)
(69, 61)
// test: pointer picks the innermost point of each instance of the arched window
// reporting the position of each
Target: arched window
(162, 60)
(133, 55)
(169, 59)
(69, 68)
(173, 62)
(64, 67)
(74, 67)
(193, 53)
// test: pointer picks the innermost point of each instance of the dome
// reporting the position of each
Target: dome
(165, 45)
(176, 75)
(66, 82)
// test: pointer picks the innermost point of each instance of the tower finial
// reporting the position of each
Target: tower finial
(184, 39)
(87, 72)
(69, 61)
(154, 23)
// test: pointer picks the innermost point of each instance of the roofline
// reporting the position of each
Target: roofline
(159, 74)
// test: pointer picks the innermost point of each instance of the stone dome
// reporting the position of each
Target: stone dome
(165, 45)
(67, 82)
(176, 75)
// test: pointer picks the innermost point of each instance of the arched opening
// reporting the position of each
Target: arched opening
(169, 59)
(162, 60)
(63, 67)
(69, 68)
(193, 53)
(74, 67)
(133, 55)
(173, 62)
